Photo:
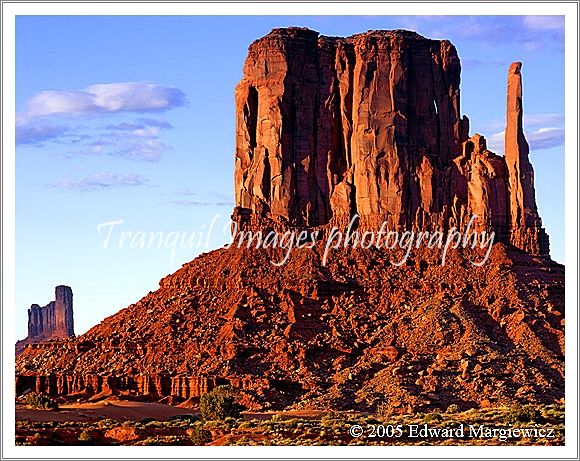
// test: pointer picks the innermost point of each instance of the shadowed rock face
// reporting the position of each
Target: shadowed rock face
(370, 125)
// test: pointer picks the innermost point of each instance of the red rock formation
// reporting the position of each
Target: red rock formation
(293, 335)
(479, 182)
(526, 226)
(328, 127)
(370, 125)
(53, 321)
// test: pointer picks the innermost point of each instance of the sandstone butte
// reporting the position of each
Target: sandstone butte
(53, 321)
(328, 127)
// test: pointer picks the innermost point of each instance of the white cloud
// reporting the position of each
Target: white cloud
(97, 148)
(149, 150)
(37, 134)
(495, 142)
(201, 199)
(544, 22)
(531, 122)
(136, 140)
(105, 98)
(59, 102)
(545, 138)
(146, 132)
(530, 32)
(200, 203)
(542, 131)
(542, 138)
(141, 123)
(100, 181)
(543, 119)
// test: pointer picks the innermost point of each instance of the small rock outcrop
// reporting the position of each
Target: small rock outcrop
(53, 321)
(371, 125)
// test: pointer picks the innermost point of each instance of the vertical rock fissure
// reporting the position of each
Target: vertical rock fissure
(348, 100)
(251, 116)
(315, 200)
(266, 179)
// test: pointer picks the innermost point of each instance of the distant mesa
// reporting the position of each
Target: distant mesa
(53, 321)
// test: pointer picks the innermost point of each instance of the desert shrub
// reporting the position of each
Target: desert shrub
(190, 418)
(85, 437)
(383, 411)
(151, 441)
(524, 414)
(199, 435)
(453, 408)
(247, 425)
(106, 423)
(219, 404)
(41, 402)
(154, 424)
(432, 417)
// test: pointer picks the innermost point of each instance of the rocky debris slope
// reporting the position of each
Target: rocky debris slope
(53, 321)
(370, 124)
(355, 334)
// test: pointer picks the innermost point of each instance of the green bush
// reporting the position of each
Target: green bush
(453, 408)
(525, 414)
(106, 423)
(219, 404)
(190, 418)
(85, 437)
(41, 402)
(432, 417)
(199, 435)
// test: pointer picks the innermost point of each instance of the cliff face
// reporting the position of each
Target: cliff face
(53, 321)
(370, 125)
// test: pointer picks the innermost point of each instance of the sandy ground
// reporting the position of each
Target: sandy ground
(117, 410)
(135, 411)
(304, 414)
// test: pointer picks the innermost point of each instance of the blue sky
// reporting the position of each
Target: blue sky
(132, 119)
